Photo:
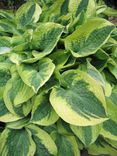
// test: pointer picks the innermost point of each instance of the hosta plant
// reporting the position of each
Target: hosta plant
(58, 79)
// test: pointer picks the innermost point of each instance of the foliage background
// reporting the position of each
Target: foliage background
(14, 4)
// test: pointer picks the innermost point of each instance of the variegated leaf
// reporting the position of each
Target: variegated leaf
(109, 128)
(45, 41)
(17, 93)
(5, 115)
(66, 144)
(42, 111)
(63, 57)
(102, 147)
(88, 134)
(8, 27)
(73, 102)
(35, 76)
(5, 44)
(44, 143)
(92, 71)
(18, 124)
(87, 39)
(5, 75)
(62, 10)
(27, 14)
(16, 142)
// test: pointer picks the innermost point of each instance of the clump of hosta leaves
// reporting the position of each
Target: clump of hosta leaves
(58, 80)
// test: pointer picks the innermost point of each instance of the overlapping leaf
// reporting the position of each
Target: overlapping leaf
(89, 37)
(58, 79)
(74, 102)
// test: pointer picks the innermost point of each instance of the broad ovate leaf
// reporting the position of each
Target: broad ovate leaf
(28, 14)
(88, 38)
(44, 142)
(35, 76)
(42, 111)
(16, 142)
(73, 102)
(45, 41)
(88, 134)
(66, 144)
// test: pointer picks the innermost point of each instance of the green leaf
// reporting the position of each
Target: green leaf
(102, 147)
(5, 45)
(87, 39)
(23, 58)
(64, 10)
(113, 69)
(5, 115)
(92, 71)
(8, 27)
(66, 144)
(109, 127)
(76, 7)
(111, 142)
(16, 142)
(35, 76)
(113, 96)
(45, 41)
(16, 90)
(5, 75)
(63, 57)
(87, 135)
(73, 102)
(42, 111)
(110, 12)
(28, 14)
(16, 93)
(19, 124)
(7, 14)
(44, 143)
(53, 12)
